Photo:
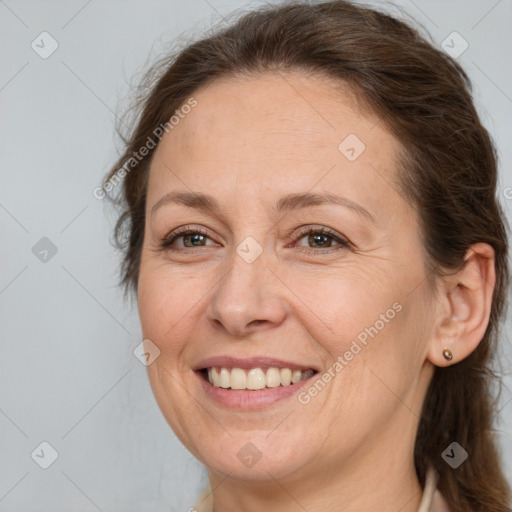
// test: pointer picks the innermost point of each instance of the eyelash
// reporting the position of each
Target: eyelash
(166, 242)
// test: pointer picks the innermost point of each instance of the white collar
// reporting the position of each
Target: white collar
(429, 490)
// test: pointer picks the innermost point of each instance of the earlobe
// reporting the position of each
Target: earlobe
(465, 306)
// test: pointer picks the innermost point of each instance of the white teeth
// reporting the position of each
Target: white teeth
(215, 377)
(255, 378)
(273, 378)
(224, 378)
(296, 376)
(286, 376)
(238, 379)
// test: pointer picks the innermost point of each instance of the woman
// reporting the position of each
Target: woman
(309, 222)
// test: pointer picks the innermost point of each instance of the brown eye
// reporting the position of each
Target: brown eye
(191, 238)
(322, 238)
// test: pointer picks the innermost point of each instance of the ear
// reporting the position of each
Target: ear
(464, 306)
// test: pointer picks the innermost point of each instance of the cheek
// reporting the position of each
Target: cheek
(369, 336)
(346, 308)
(168, 306)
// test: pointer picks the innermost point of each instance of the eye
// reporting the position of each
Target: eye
(322, 238)
(318, 238)
(191, 238)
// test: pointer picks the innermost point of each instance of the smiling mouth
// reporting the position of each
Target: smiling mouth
(254, 378)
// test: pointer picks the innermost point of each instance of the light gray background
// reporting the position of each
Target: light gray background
(68, 375)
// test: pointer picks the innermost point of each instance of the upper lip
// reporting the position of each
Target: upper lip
(250, 362)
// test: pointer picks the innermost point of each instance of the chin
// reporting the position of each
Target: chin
(255, 456)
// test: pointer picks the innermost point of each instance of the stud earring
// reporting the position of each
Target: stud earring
(447, 354)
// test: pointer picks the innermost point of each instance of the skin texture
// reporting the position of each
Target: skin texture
(248, 142)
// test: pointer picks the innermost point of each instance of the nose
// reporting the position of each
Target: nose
(248, 298)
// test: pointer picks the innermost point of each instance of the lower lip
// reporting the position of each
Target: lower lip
(245, 400)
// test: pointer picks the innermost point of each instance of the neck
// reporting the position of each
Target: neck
(384, 481)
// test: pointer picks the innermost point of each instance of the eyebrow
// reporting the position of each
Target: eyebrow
(286, 204)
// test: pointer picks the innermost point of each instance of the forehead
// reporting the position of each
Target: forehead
(276, 132)
(258, 112)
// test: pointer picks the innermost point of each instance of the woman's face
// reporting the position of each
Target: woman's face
(252, 294)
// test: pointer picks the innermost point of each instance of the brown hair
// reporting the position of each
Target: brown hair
(448, 171)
